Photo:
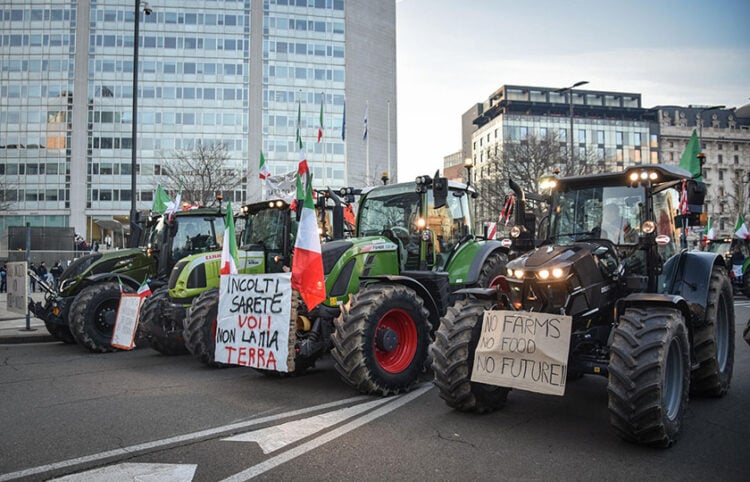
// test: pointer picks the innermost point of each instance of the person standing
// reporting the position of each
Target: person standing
(33, 268)
(737, 260)
(4, 279)
(56, 272)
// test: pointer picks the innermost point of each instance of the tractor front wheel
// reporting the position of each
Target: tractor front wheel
(380, 346)
(60, 332)
(453, 352)
(649, 375)
(158, 327)
(93, 314)
(199, 330)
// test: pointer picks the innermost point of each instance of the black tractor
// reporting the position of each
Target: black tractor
(656, 320)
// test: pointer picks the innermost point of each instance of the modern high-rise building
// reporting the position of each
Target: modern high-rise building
(244, 74)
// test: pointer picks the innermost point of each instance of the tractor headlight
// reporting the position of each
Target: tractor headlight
(633, 176)
(558, 273)
(543, 274)
(421, 223)
(518, 273)
(552, 274)
(648, 227)
(509, 272)
(515, 232)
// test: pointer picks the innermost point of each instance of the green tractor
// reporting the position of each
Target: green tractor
(388, 286)
(84, 306)
(657, 321)
(265, 246)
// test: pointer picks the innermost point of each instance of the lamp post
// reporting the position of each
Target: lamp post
(701, 110)
(134, 141)
(570, 98)
(468, 165)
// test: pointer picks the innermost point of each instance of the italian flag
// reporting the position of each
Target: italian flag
(740, 230)
(320, 124)
(229, 246)
(144, 290)
(263, 171)
(709, 232)
(307, 265)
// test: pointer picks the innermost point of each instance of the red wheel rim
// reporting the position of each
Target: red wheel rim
(402, 324)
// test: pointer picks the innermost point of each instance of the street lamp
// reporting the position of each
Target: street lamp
(701, 110)
(134, 229)
(570, 97)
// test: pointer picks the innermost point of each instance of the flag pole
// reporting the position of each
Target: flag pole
(367, 143)
(323, 138)
(390, 173)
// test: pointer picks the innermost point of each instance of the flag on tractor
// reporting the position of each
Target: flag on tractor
(144, 290)
(709, 232)
(343, 123)
(364, 133)
(689, 159)
(320, 124)
(173, 207)
(307, 265)
(740, 230)
(161, 200)
(263, 171)
(349, 217)
(229, 246)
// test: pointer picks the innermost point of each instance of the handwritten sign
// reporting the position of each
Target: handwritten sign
(525, 350)
(253, 321)
(126, 323)
(18, 287)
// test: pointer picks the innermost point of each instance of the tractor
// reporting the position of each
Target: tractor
(84, 306)
(388, 286)
(266, 244)
(656, 320)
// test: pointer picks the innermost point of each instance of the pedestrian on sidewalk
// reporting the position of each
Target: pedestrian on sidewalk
(56, 272)
(4, 279)
(33, 267)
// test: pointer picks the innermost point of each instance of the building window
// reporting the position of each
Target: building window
(581, 136)
(736, 160)
(637, 139)
(618, 138)
(721, 175)
(721, 159)
(600, 137)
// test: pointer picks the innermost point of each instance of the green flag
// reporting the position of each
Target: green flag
(161, 200)
(689, 159)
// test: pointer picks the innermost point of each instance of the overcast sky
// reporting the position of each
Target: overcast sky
(455, 53)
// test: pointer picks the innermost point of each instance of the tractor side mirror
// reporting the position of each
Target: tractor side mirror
(440, 191)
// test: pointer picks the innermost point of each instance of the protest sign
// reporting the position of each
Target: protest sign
(253, 321)
(126, 323)
(17, 282)
(526, 350)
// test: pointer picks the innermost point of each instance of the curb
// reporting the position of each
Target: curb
(20, 335)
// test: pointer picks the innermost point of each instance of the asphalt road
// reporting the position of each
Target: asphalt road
(65, 411)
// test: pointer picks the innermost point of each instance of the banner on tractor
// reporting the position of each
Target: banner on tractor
(126, 322)
(253, 321)
(524, 350)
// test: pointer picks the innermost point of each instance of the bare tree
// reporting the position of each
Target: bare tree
(201, 174)
(8, 194)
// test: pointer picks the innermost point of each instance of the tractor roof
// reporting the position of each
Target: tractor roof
(663, 173)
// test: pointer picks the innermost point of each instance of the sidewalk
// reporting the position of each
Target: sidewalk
(13, 325)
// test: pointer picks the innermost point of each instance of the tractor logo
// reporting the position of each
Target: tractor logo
(662, 239)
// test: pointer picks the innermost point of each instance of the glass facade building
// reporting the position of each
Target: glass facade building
(244, 74)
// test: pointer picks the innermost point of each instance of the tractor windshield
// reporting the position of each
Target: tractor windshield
(192, 234)
(613, 213)
(267, 228)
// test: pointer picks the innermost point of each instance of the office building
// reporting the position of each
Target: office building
(236, 73)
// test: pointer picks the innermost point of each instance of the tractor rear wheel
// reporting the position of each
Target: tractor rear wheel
(453, 351)
(713, 341)
(93, 314)
(199, 331)
(380, 346)
(649, 375)
(493, 266)
(157, 326)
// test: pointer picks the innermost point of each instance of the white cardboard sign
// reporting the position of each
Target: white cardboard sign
(126, 323)
(253, 320)
(525, 350)
(17, 282)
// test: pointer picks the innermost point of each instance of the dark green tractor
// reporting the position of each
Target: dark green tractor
(657, 321)
(84, 306)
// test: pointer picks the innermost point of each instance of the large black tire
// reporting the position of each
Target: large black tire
(713, 341)
(746, 283)
(649, 375)
(200, 328)
(60, 333)
(380, 346)
(161, 332)
(493, 266)
(93, 314)
(453, 352)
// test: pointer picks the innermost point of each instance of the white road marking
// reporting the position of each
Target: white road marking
(302, 449)
(273, 438)
(139, 472)
(179, 439)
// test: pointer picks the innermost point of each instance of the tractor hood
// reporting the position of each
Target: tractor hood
(552, 256)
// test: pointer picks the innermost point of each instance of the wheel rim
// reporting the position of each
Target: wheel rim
(106, 314)
(395, 357)
(673, 380)
(722, 334)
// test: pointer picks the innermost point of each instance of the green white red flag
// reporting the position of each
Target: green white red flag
(320, 123)
(144, 290)
(229, 246)
(263, 171)
(740, 230)
(307, 265)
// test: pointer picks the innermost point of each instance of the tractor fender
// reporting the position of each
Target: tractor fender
(653, 299)
(478, 293)
(688, 274)
(430, 303)
(488, 248)
(102, 277)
